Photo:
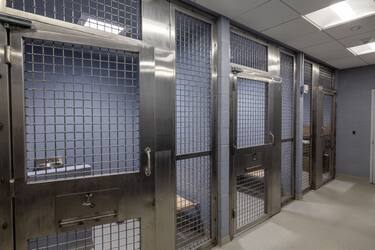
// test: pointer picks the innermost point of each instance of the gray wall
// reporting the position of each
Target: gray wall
(354, 114)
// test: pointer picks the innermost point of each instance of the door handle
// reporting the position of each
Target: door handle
(272, 138)
(148, 164)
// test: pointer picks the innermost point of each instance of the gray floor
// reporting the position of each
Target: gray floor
(339, 216)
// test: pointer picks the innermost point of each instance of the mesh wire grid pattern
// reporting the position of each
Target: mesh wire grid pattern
(193, 135)
(286, 168)
(252, 112)
(81, 105)
(250, 198)
(193, 85)
(326, 78)
(115, 236)
(306, 164)
(307, 97)
(121, 17)
(248, 53)
(327, 112)
(287, 93)
(194, 202)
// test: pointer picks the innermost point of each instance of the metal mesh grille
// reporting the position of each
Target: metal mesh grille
(248, 53)
(114, 16)
(287, 86)
(327, 113)
(193, 202)
(81, 110)
(306, 164)
(326, 78)
(193, 85)
(307, 99)
(193, 135)
(286, 168)
(252, 112)
(120, 236)
(250, 197)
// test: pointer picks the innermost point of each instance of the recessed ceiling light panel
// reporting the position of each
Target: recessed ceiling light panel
(363, 49)
(341, 12)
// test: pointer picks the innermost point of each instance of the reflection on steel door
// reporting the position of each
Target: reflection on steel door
(84, 168)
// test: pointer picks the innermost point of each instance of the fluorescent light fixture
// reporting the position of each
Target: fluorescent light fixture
(341, 12)
(99, 25)
(363, 49)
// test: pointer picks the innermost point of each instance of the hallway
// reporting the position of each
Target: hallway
(339, 216)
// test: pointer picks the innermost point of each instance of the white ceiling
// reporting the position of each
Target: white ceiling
(282, 21)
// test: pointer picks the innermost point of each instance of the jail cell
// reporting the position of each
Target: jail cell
(307, 128)
(193, 131)
(287, 135)
(251, 136)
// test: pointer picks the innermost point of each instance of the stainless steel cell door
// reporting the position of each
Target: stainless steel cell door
(253, 141)
(83, 139)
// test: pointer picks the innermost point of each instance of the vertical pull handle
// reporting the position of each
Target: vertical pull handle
(272, 138)
(148, 164)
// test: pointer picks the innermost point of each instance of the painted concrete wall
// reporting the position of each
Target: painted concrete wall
(354, 120)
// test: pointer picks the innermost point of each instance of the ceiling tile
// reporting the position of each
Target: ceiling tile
(291, 30)
(232, 8)
(369, 58)
(307, 6)
(328, 51)
(347, 62)
(358, 39)
(311, 39)
(267, 15)
(366, 24)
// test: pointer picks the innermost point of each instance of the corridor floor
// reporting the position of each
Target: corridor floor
(339, 216)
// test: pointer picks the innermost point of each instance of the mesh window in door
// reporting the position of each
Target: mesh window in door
(124, 235)
(114, 16)
(250, 197)
(252, 112)
(249, 53)
(327, 113)
(287, 91)
(81, 110)
(307, 128)
(326, 78)
(193, 131)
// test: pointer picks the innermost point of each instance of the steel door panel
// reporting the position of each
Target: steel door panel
(108, 192)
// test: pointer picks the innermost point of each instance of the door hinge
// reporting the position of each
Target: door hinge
(12, 188)
(234, 213)
(7, 54)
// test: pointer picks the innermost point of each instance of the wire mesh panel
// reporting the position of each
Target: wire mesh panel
(81, 110)
(252, 112)
(286, 168)
(327, 113)
(193, 85)
(193, 202)
(248, 53)
(250, 197)
(193, 131)
(326, 78)
(307, 127)
(115, 236)
(114, 16)
(287, 92)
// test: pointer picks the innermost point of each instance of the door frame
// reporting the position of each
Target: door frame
(372, 139)
(143, 204)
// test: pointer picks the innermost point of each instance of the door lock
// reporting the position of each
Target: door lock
(88, 202)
